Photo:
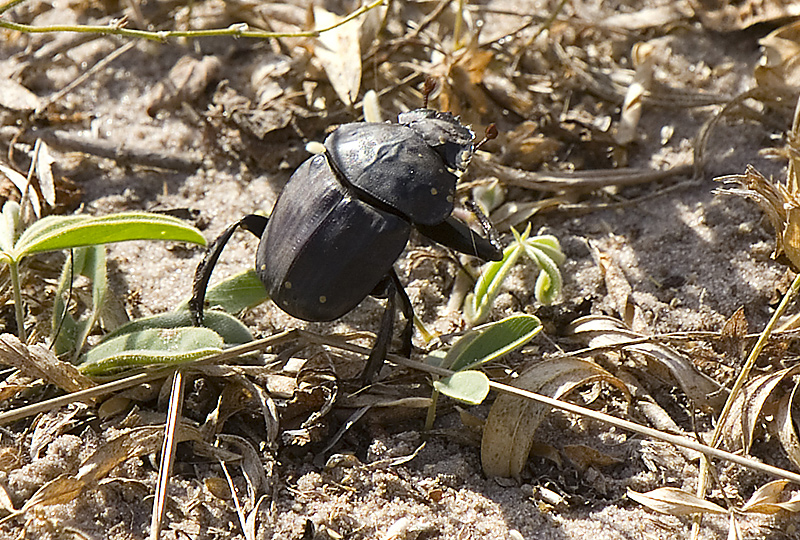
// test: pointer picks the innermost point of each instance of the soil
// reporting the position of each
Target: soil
(691, 256)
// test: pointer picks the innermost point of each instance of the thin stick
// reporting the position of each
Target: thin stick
(240, 30)
(677, 440)
(167, 454)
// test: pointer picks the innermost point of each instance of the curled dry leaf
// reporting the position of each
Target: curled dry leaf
(675, 502)
(748, 407)
(39, 362)
(601, 331)
(766, 500)
(644, 59)
(509, 431)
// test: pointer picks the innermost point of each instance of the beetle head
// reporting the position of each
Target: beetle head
(444, 133)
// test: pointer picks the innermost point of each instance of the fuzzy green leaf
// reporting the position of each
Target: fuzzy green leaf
(232, 331)
(234, 294)
(155, 346)
(90, 262)
(63, 232)
(470, 386)
(492, 341)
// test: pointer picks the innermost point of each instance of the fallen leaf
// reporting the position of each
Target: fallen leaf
(509, 431)
(675, 502)
(766, 500)
(339, 53)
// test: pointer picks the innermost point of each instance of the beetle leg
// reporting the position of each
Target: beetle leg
(454, 234)
(377, 356)
(408, 313)
(253, 223)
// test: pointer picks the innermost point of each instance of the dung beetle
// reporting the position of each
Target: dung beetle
(345, 216)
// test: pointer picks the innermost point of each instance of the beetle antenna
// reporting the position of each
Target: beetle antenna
(490, 134)
(486, 224)
(427, 89)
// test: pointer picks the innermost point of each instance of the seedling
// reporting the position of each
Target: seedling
(68, 232)
(543, 250)
(476, 348)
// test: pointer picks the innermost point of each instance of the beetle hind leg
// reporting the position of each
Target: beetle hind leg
(253, 223)
(391, 288)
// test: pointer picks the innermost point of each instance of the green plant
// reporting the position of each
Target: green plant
(543, 250)
(69, 232)
(477, 347)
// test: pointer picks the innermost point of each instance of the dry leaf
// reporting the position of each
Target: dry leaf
(766, 500)
(643, 60)
(779, 68)
(748, 407)
(620, 290)
(15, 97)
(40, 363)
(787, 432)
(339, 52)
(733, 333)
(509, 431)
(44, 172)
(727, 16)
(601, 331)
(675, 502)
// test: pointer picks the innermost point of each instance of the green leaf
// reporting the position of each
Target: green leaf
(9, 224)
(155, 346)
(492, 341)
(63, 232)
(479, 302)
(548, 283)
(230, 329)
(90, 262)
(469, 386)
(234, 294)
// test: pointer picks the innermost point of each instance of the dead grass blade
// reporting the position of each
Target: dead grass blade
(577, 182)
(167, 454)
(675, 502)
(604, 331)
(40, 363)
(509, 430)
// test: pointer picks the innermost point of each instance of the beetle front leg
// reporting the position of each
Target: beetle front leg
(253, 223)
(455, 234)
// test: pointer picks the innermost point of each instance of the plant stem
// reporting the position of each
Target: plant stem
(236, 30)
(744, 374)
(19, 312)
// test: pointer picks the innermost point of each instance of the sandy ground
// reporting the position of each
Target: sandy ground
(692, 259)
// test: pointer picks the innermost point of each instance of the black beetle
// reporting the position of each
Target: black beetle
(345, 217)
